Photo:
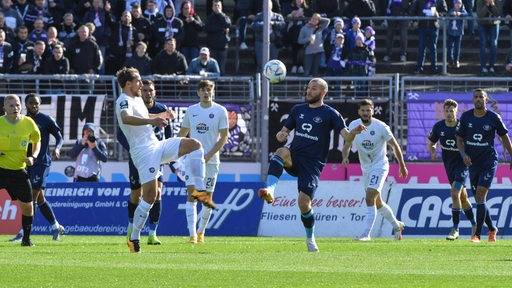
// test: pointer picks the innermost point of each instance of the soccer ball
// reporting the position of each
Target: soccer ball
(274, 71)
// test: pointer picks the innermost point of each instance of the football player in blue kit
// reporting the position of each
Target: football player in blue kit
(306, 157)
(444, 132)
(475, 142)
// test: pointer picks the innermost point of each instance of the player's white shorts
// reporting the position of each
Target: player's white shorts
(210, 179)
(147, 160)
(375, 178)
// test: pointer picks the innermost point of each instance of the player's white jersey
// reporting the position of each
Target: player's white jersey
(204, 125)
(139, 137)
(372, 144)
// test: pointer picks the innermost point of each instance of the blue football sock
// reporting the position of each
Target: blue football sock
(456, 217)
(480, 217)
(308, 219)
(470, 215)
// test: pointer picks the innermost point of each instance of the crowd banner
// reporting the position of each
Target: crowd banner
(424, 109)
(71, 112)
(101, 209)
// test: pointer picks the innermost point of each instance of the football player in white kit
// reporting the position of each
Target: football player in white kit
(148, 152)
(372, 150)
(207, 122)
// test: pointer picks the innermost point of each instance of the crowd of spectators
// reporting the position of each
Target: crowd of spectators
(164, 36)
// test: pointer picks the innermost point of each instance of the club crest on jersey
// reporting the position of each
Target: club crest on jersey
(317, 119)
(152, 170)
(372, 133)
(487, 128)
(123, 104)
(211, 116)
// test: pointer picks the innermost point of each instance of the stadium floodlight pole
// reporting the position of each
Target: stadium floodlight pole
(265, 91)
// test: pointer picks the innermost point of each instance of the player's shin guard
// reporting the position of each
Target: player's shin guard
(371, 215)
(488, 220)
(388, 214)
(26, 223)
(480, 217)
(154, 216)
(139, 218)
(456, 217)
(194, 165)
(308, 219)
(275, 170)
(131, 209)
(470, 215)
(206, 212)
(191, 212)
(47, 211)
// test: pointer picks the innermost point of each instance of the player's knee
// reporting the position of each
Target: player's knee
(189, 145)
(283, 152)
(457, 185)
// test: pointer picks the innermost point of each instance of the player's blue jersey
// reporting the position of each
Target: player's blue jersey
(479, 134)
(313, 128)
(160, 133)
(47, 126)
(448, 141)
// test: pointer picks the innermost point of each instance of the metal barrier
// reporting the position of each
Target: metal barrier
(85, 88)
(235, 91)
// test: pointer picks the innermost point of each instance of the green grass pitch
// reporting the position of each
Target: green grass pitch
(105, 261)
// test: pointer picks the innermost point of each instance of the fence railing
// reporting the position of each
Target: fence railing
(75, 99)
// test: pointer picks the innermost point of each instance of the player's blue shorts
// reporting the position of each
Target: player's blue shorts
(38, 175)
(457, 173)
(482, 174)
(307, 170)
(134, 175)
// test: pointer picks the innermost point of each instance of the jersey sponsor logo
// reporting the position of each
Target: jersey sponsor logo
(478, 137)
(450, 142)
(367, 144)
(308, 127)
(202, 128)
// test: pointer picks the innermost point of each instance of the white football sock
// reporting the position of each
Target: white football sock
(371, 214)
(388, 214)
(139, 218)
(191, 211)
(206, 212)
(194, 166)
